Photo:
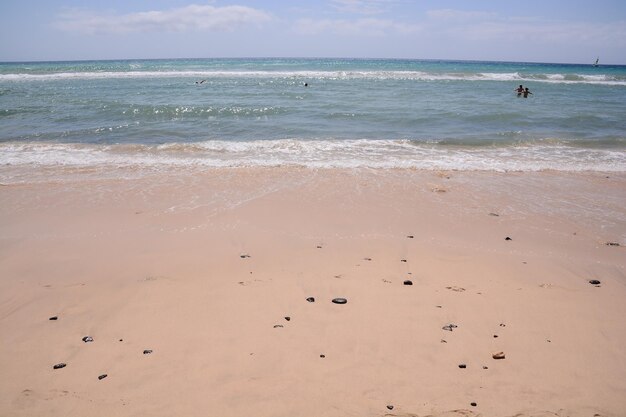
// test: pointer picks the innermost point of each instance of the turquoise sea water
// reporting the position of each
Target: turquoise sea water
(353, 113)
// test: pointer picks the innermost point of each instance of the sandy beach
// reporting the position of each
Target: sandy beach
(194, 286)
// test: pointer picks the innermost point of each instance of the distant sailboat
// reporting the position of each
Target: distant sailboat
(596, 63)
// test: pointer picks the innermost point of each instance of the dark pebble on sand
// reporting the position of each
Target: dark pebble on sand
(87, 339)
(612, 244)
(59, 366)
(287, 318)
(390, 407)
(473, 404)
(462, 366)
(495, 335)
(102, 376)
(121, 340)
(277, 326)
(322, 356)
(449, 327)
(147, 351)
(507, 238)
(410, 236)
(311, 299)
(402, 260)
(319, 247)
(53, 318)
(339, 300)
(498, 355)
(594, 282)
(485, 367)
(244, 256)
(408, 282)
(494, 214)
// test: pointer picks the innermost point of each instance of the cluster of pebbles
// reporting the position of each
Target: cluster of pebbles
(87, 339)
(448, 327)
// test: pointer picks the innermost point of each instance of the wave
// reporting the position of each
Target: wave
(600, 79)
(551, 154)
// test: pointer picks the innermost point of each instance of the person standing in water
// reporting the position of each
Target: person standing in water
(526, 92)
(519, 90)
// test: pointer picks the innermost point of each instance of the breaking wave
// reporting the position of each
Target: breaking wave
(384, 154)
(597, 79)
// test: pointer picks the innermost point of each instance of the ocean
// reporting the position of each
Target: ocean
(318, 113)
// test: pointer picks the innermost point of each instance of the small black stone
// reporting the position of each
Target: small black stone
(408, 282)
(473, 404)
(495, 335)
(339, 300)
(612, 244)
(507, 238)
(311, 299)
(319, 247)
(322, 356)
(485, 367)
(244, 256)
(121, 340)
(53, 318)
(278, 325)
(462, 366)
(87, 339)
(594, 282)
(402, 260)
(287, 318)
(410, 236)
(102, 376)
(147, 351)
(390, 407)
(449, 327)
(59, 366)
(494, 214)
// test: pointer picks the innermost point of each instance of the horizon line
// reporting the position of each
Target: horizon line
(590, 63)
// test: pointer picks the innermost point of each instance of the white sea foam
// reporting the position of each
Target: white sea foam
(384, 154)
(599, 79)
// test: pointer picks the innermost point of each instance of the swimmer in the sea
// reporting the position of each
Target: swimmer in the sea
(200, 82)
(526, 92)
(519, 90)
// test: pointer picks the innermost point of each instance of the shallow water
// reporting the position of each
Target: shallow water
(353, 113)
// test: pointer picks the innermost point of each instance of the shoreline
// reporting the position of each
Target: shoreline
(516, 154)
(200, 267)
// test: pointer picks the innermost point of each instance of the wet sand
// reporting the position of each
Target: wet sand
(203, 268)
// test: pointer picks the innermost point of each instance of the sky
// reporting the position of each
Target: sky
(567, 31)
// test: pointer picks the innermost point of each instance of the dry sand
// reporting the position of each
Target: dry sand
(202, 268)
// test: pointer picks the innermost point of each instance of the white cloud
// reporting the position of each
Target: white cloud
(357, 27)
(188, 18)
(459, 15)
(366, 7)
(488, 27)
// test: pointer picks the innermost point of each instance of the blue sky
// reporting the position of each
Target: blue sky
(530, 30)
